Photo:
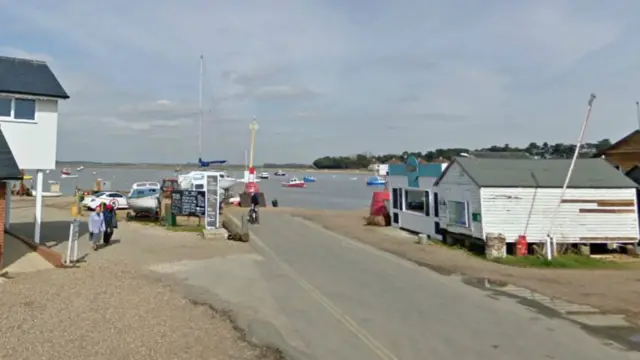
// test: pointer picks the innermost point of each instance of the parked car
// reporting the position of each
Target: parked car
(107, 197)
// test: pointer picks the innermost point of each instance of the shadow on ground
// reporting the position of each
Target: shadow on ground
(52, 233)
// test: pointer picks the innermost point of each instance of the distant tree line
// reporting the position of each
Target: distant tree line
(544, 150)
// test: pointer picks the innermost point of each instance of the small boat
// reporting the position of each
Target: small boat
(264, 175)
(48, 194)
(376, 181)
(80, 168)
(66, 173)
(309, 179)
(295, 183)
(354, 178)
(53, 182)
(144, 197)
(280, 173)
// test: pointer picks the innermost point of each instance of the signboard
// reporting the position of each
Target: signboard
(188, 203)
(213, 201)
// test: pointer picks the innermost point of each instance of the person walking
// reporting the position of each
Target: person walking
(96, 227)
(110, 223)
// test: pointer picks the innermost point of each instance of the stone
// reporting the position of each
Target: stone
(584, 249)
(422, 239)
(495, 246)
(215, 234)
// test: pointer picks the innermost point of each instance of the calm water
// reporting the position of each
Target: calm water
(331, 191)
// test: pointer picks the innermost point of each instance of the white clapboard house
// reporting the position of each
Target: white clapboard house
(517, 197)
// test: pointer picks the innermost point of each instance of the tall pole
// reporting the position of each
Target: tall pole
(592, 98)
(638, 113)
(200, 108)
(253, 127)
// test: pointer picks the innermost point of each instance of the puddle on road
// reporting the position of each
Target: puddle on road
(613, 329)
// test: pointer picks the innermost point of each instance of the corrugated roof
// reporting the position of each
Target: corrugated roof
(9, 169)
(551, 173)
(29, 77)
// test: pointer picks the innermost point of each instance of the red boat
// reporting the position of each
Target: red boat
(66, 171)
(295, 183)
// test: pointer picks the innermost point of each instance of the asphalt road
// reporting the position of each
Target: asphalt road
(335, 299)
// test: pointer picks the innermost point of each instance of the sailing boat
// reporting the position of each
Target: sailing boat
(187, 180)
(66, 173)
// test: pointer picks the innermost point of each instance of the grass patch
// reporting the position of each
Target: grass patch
(570, 261)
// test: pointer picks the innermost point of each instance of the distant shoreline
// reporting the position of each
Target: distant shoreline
(188, 167)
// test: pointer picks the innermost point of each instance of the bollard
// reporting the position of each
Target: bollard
(422, 239)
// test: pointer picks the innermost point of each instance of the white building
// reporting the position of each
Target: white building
(29, 95)
(412, 196)
(519, 197)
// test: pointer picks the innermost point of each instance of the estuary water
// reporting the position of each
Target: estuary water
(330, 192)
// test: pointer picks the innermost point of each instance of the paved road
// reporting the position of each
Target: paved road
(376, 306)
(325, 297)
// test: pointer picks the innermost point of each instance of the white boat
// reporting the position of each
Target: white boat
(48, 194)
(144, 197)
(66, 173)
(264, 175)
(294, 183)
(197, 180)
(80, 168)
(64, 176)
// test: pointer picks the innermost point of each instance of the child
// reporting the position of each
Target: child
(96, 227)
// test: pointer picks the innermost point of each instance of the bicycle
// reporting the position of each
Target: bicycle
(253, 215)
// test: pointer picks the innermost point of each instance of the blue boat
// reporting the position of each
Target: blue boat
(376, 181)
(309, 179)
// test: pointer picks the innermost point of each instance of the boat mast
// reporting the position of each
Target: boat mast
(638, 112)
(200, 108)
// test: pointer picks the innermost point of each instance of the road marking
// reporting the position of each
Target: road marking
(374, 345)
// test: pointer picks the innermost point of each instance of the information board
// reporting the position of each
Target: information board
(213, 201)
(188, 203)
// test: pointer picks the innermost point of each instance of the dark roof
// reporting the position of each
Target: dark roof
(616, 144)
(551, 173)
(29, 77)
(500, 155)
(9, 169)
(634, 174)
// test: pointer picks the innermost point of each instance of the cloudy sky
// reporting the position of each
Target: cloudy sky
(328, 77)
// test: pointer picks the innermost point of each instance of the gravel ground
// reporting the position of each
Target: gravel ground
(111, 311)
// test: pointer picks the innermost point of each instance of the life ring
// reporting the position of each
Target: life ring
(114, 203)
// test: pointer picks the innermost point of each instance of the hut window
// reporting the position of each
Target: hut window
(458, 212)
(414, 201)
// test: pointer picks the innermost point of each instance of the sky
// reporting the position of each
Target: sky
(328, 77)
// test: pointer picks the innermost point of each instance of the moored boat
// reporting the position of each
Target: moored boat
(47, 194)
(309, 179)
(295, 183)
(280, 173)
(264, 175)
(144, 197)
(66, 173)
(376, 181)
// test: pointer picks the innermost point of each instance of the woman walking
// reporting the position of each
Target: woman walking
(96, 227)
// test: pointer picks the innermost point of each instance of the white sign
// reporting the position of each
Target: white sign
(213, 202)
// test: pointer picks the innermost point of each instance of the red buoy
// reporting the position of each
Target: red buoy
(378, 205)
(522, 247)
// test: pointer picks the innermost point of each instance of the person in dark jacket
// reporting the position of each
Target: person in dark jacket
(110, 223)
(255, 202)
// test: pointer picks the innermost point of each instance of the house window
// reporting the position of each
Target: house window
(427, 204)
(5, 107)
(24, 109)
(458, 212)
(414, 201)
(395, 200)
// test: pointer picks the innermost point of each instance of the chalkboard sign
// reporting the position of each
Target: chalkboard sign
(213, 201)
(188, 203)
